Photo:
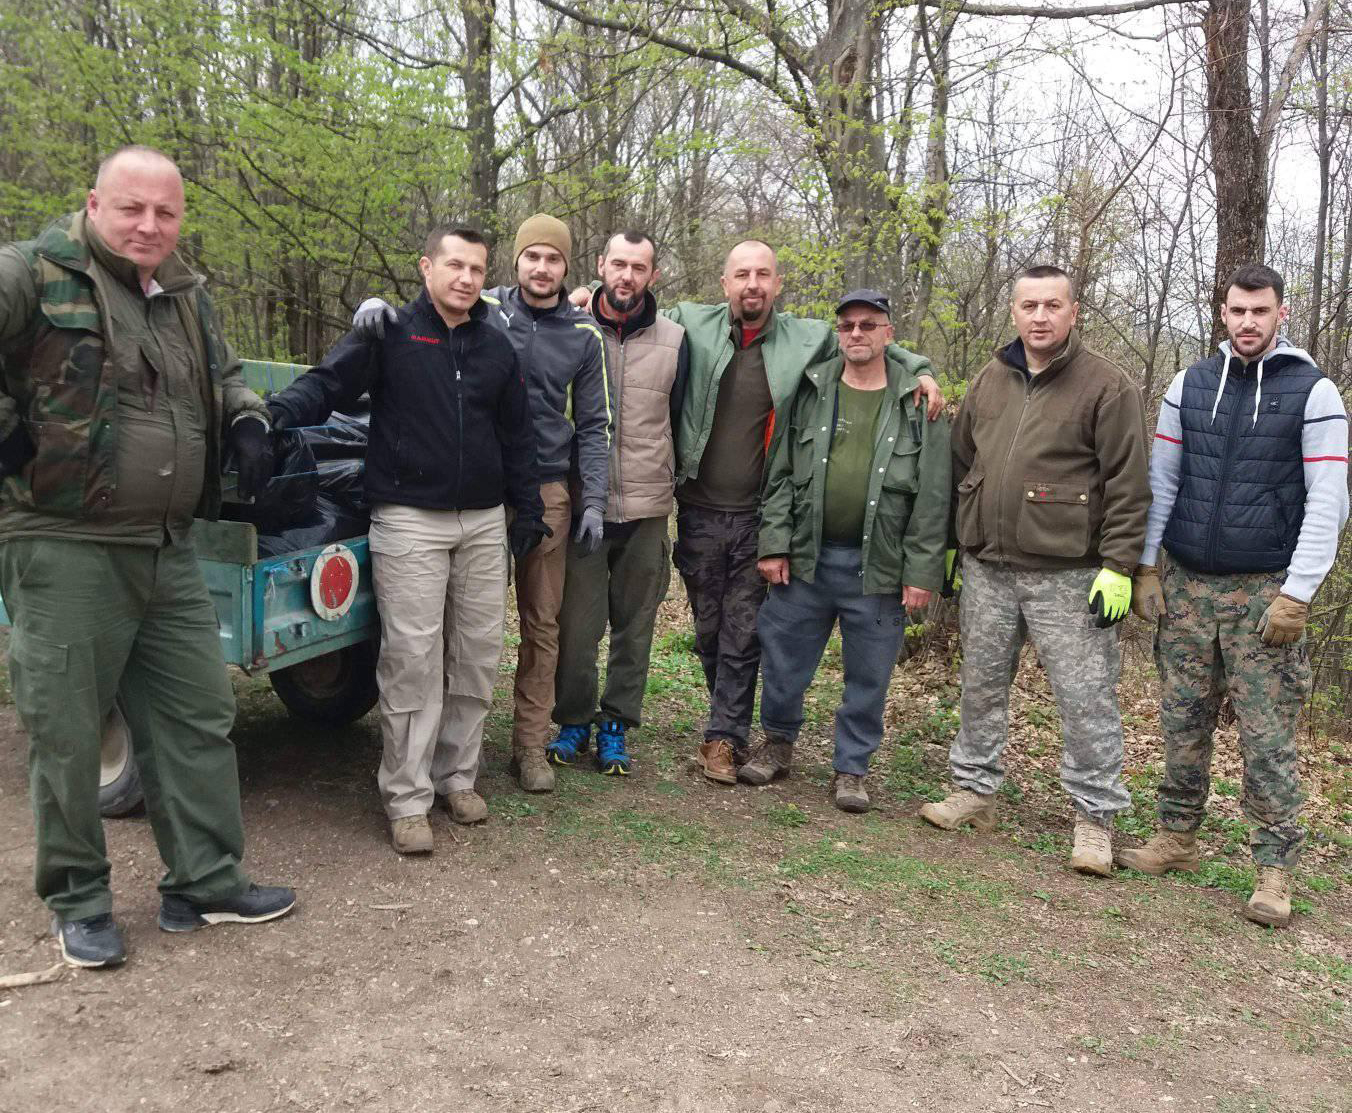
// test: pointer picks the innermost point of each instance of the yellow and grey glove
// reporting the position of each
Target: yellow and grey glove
(952, 577)
(1109, 598)
(1147, 595)
(1283, 623)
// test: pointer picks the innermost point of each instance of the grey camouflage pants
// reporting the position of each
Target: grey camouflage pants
(1001, 608)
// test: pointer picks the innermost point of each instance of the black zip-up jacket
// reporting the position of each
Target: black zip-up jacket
(451, 426)
(563, 357)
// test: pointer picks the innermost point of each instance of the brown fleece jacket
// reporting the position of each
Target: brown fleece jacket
(1051, 469)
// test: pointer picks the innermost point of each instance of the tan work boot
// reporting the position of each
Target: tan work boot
(1169, 850)
(532, 770)
(411, 834)
(769, 761)
(1093, 850)
(466, 806)
(850, 794)
(960, 807)
(715, 758)
(1271, 900)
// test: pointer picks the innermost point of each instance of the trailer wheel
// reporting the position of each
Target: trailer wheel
(120, 790)
(332, 690)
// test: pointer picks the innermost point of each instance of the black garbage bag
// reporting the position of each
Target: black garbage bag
(289, 497)
(330, 521)
(344, 482)
(342, 437)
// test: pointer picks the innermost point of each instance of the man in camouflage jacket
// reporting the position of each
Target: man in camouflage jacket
(119, 397)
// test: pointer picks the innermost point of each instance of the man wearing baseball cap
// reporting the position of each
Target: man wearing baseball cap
(854, 520)
(562, 355)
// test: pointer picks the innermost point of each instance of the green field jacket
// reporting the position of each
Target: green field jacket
(906, 517)
(57, 379)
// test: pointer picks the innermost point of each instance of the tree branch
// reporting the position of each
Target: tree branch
(1308, 29)
(1038, 11)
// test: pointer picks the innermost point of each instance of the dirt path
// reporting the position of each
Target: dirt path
(658, 945)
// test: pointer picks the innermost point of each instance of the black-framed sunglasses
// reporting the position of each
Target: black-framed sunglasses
(847, 327)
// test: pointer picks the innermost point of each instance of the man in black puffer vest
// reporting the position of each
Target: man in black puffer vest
(1249, 479)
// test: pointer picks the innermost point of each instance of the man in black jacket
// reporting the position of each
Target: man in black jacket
(451, 440)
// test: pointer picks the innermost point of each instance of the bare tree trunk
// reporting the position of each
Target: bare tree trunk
(476, 72)
(1324, 151)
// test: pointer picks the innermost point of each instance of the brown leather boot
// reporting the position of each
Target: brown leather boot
(1271, 900)
(715, 758)
(959, 807)
(532, 770)
(1169, 850)
(1093, 850)
(466, 806)
(411, 834)
(769, 761)
(849, 792)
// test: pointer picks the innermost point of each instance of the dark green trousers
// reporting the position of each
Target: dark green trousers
(622, 584)
(93, 622)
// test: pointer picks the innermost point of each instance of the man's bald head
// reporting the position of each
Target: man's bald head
(136, 206)
(751, 281)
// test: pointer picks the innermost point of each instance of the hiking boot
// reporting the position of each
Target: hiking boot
(571, 743)
(253, 906)
(411, 834)
(960, 807)
(465, 806)
(1169, 850)
(1093, 850)
(715, 758)
(850, 795)
(612, 758)
(532, 771)
(1271, 900)
(769, 761)
(90, 942)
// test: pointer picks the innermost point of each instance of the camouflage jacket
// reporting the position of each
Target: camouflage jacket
(58, 384)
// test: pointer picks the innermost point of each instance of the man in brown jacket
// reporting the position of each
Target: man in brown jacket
(1049, 458)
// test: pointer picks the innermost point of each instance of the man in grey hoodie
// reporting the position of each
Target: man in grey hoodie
(1249, 480)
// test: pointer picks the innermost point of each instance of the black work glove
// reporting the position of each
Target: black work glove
(525, 534)
(281, 418)
(251, 444)
(16, 450)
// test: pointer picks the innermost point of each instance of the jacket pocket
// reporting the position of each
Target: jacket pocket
(971, 534)
(802, 454)
(903, 468)
(1054, 520)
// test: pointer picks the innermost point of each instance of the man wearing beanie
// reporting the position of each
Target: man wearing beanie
(562, 356)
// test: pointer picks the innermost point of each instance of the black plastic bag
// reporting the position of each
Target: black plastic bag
(342, 437)
(289, 497)
(344, 482)
(331, 521)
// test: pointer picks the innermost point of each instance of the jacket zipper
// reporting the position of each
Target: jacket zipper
(619, 418)
(1231, 440)
(459, 420)
(999, 487)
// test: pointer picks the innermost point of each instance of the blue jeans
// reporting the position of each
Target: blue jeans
(795, 622)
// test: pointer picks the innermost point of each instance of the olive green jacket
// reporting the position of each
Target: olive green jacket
(910, 483)
(58, 385)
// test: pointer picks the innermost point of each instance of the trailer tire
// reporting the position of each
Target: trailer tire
(120, 791)
(334, 689)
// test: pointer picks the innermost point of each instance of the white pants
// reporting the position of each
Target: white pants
(441, 588)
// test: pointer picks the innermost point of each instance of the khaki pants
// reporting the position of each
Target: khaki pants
(539, 596)
(441, 588)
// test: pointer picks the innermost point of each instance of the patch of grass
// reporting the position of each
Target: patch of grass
(1321, 884)
(865, 869)
(674, 669)
(1003, 969)
(907, 777)
(946, 951)
(670, 788)
(1220, 875)
(786, 815)
(1095, 1044)
(512, 807)
(1332, 967)
(1224, 786)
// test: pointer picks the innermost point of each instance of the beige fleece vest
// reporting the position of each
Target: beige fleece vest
(642, 372)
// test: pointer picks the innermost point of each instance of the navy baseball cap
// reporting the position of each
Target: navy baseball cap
(872, 298)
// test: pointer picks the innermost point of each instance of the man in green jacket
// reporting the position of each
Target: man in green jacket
(746, 361)
(118, 398)
(1050, 462)
(854, 523)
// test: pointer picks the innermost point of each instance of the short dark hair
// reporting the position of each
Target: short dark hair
(631, 235)
(1255, 276)
(433, 242)
(1047, 270)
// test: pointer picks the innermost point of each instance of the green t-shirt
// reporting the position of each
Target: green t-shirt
(847, 468)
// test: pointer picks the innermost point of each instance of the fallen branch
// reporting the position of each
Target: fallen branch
(37, 977)
(1004, 1067)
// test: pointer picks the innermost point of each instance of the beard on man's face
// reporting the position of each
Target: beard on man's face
(619, 302)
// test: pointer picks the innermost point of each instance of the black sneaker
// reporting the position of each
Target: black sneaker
(92, 942)
(256, 904)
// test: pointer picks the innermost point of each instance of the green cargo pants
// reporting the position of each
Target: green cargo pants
(93, 622)
(622, 584)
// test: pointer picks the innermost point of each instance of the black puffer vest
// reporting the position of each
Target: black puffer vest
(1241, 494)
